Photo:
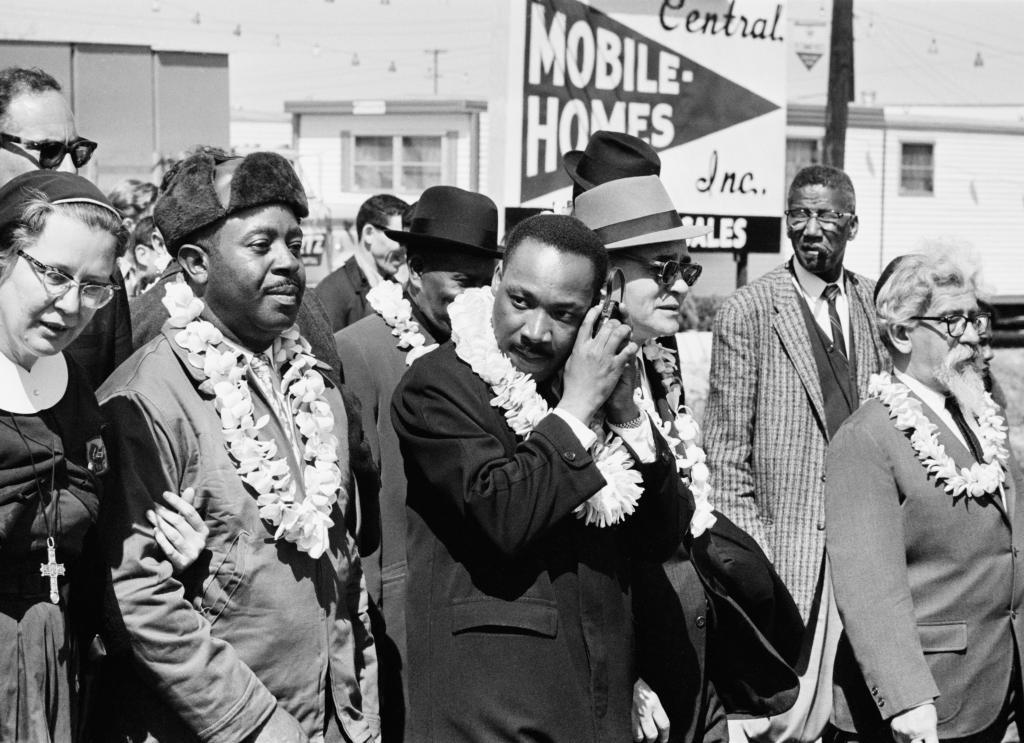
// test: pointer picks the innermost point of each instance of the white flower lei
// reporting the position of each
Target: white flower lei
(974, 481)
(682, 435)
(304, 522)
(387, 300)
(516, 393)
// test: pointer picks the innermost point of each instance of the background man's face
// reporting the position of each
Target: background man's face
(387, 254)
(540, 301)
(445, 277)
(818, 247)
(37, 117)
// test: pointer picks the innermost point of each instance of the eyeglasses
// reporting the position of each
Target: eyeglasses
(57, 284)
(668, 272)
(956, 325)
(827, 218)
(51, 152)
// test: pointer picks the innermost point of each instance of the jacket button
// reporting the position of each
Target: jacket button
(767, 522)
(570, 456)
(881, 703)
(1013, 614)
(874, 691)
(700, 622)
(821, 526)
(823, 478)
(1016, 552)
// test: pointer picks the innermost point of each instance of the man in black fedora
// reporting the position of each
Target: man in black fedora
(451, 245)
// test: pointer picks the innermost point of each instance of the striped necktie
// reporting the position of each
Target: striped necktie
(838, 340)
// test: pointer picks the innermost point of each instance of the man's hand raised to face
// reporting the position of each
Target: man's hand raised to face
(596, 367)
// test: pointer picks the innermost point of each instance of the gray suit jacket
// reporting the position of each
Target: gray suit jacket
(765, 424)
(929, 586)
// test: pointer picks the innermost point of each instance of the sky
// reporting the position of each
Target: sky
(947, 52)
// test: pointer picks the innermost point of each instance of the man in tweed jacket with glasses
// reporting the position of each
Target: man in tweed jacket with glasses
(790, 360)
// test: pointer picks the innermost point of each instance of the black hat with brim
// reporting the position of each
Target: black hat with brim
(608, 157)
(451, 218)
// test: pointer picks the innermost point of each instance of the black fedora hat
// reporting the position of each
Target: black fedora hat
(451, 217)
(608, 157)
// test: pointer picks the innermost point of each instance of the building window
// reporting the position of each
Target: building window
(917, 169)
(403, 164)
(373, 164)
(799, 154)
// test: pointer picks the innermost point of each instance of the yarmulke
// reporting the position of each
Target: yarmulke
(207, 190)
(57, 186)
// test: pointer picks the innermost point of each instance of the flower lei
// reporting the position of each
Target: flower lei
(681, 434)
(907, 414)
(516, 393)
(387, 300)
(305, 521)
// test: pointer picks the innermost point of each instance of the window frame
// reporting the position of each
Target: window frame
(916, 170)
(349, 149)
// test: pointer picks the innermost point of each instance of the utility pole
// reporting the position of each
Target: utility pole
(434, 70)
(840, 83)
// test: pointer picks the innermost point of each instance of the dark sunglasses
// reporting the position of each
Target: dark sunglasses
(52, 153)
(667, 272)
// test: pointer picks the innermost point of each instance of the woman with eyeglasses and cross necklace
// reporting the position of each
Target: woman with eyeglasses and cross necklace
(58, 239)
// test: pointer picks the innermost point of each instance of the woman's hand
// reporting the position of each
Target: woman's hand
(181, 533)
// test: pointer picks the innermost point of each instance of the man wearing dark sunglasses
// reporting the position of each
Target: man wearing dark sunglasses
(38, 132)
(37, 127)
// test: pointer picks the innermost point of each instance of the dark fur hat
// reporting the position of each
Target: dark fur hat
(208, 189)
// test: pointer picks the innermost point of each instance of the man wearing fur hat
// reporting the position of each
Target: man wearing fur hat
(266, 637)
(451, 245)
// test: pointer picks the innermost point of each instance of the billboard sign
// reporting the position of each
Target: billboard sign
(703, 81)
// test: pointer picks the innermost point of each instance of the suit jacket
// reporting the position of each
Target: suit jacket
(928, 585)
(343, 293)
(518, 615)
(765, 430)
(254, 622)
(373, 366)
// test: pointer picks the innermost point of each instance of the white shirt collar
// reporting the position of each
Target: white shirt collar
(932, 398)
(26, 392)
(813, 285)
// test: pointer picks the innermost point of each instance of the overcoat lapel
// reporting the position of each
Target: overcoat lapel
(789, 325)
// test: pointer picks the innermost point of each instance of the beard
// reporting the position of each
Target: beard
(959, 373)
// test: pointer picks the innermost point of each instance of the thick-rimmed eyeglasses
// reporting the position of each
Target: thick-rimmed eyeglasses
(668, 272)
(956, 325)
(57, 284)
(827, 218)
(52, 152)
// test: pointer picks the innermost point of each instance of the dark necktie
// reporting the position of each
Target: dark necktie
(968, 433)
(830, 293)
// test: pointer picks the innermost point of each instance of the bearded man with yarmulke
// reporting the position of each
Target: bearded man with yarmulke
(266, 637)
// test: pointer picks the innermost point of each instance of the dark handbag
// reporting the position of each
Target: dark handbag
(755, 632)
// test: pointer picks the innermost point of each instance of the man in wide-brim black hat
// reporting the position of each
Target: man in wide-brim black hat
(451, 245)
